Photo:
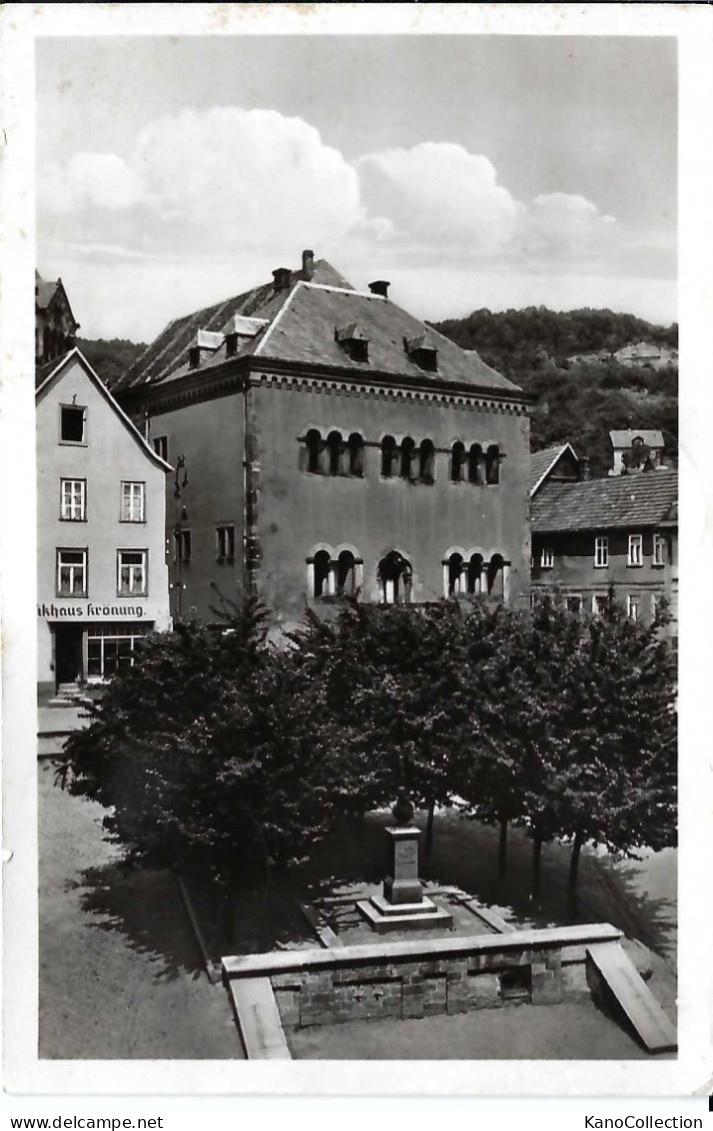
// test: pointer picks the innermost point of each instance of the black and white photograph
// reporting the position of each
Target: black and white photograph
(353, 619)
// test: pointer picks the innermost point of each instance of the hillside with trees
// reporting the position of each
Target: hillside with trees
(111, 357)
(582, 400)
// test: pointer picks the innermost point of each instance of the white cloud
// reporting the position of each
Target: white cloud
(437, 192)
(562, 223)
(89, 180)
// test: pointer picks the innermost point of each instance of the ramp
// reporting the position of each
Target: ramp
(611, 966)
(259, 1019)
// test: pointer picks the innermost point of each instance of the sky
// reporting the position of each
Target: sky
(470, 171)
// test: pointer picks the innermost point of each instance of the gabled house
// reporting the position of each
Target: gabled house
(328, 443)
(55, 325)
(101, 496)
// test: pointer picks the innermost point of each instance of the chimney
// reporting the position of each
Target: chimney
(380, 287)
(585, 468)
(307, 265)
(283, 278)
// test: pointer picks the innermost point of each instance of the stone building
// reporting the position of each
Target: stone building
(55, 325)
(326, 442)
(101, 562)
(592, 534)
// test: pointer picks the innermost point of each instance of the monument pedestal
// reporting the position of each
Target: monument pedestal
(403, 905)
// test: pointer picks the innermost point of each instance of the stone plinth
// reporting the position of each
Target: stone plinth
(402, 885)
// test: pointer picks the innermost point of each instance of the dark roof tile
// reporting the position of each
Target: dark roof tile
(647, 498)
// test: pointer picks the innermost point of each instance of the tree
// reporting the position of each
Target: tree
(209, 754)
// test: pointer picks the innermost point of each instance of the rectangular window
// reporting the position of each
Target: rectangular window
(160, 446)
(574, 602)
(133, 495)
(182, 543)
(110, 648)
(601, 552)
(599, 603)
(547, 558)
(72, 424)
(635, 557)
(633, 606)
(73, 500)
(659, 550)
(131, 573)
(225, 539)
(71, 573)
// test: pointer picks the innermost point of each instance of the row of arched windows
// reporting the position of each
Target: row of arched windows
(342, 575)
(339, 455)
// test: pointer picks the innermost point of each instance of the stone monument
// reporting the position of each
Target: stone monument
(403, 906)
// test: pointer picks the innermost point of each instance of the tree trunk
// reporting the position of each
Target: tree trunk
(574, 860)
(503, 847)
(429, 830)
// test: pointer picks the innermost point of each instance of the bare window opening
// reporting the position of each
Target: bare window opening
(455, 586)
(516, 984)
(225, 538)
(395, 578)
(321, 571)
(475, 574)
(408, 451)
(346, 573)
(160, 446)
(496, 576)
(492, 465)
(313, 442)
(355, 445)
(457, 462)
(388, 457)
(182, 543)
(72, 424)
(475, 464)
(426, 461)
(334, 453)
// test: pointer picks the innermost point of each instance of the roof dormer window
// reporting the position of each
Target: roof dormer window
(204, 345)
(422, 351)
(353, 341)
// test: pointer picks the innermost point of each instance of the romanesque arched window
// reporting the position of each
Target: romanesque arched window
(321, 574)
(355, 445)
(475, 464)
(388, 457)
(334, 453)
(408, 453)
(496, 576)
(346, 573)
(475, 574)
(313, 442)
(395, 578)
(426, 461)
(492, 464)
(454, 575)
(457, 462)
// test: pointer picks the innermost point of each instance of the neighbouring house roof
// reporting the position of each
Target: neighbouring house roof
(633, 501)
(542, 462)
(303, 325)
(54, 374)
(624, 437)
(45, 291)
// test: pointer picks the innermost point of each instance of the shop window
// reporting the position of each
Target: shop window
(73, 419)
(395, 579)
(635, 556)
(182, 545)
(601, 552)
(73, 500)
(71, 573)
(110, 648)
(133, 501)
(225, 540)
(131, 573)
